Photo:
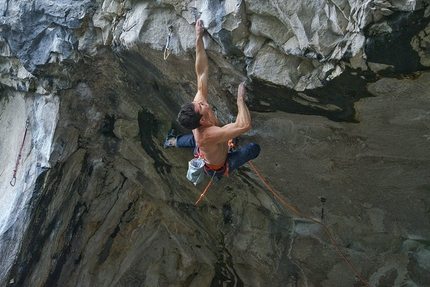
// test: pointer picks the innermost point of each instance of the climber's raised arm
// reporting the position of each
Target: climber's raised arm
(216, 134)
(202, 65)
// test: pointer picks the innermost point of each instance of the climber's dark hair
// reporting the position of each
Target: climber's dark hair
(188, 117)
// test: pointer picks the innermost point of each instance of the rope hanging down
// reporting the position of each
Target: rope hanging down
(13, 180)
(311, 219)
(206, 189)
(299, 213)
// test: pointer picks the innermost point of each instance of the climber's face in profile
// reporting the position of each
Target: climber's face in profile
(201, 108)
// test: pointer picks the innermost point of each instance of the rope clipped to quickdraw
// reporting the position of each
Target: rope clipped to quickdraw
(167, 49)
(311, 219)
(13, 180)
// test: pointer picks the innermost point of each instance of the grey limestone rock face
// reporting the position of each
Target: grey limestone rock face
(339, 99)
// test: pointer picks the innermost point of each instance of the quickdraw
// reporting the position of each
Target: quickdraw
(13, 180)
(166, 49)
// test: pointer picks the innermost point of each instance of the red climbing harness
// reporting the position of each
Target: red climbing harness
(219, 169)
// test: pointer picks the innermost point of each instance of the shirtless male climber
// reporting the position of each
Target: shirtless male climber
(209, 138)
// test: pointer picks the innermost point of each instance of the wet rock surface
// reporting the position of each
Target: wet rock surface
(339, 96)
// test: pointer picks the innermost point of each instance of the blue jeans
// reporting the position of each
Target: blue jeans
(235, 159)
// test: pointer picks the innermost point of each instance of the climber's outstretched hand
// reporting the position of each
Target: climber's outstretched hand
(199, 28)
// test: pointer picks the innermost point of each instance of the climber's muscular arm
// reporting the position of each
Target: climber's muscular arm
(217, 134)
(202, 65)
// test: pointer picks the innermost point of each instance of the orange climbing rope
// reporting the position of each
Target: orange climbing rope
(311, 219)
(294, 210)
(204, 192)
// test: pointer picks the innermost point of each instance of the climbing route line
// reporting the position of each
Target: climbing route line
(13, 180)
(311, 219)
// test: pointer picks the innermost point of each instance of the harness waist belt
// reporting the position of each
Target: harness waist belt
(215, 167)
(221, 168)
